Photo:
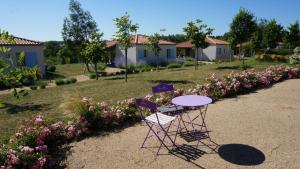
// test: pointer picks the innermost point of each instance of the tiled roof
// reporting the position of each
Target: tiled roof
(139, 39)
(20, 41)
(209, 40)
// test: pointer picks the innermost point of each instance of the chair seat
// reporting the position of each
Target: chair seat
(169, 108)
(163, 119)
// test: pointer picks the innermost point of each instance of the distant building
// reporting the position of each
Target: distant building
(34, 54)
(139, 54)
(216, 50)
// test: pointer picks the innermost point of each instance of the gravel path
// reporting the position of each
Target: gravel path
(259, 130)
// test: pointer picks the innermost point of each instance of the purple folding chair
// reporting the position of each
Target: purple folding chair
(168, 109)
(157, 123)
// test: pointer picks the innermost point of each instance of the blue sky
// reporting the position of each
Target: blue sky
(43, 19)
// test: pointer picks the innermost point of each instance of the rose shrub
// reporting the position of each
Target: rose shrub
(36, 140)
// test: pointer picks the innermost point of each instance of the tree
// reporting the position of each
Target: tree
(196, 33)
(13, 76)
(95, 50)
(242, 27)
(50, 51)
(77, 29)
(63, 54)
(154, 47)
(123, 35)
(292, 37)
(174, 38)
(257, 36)
(272, 34)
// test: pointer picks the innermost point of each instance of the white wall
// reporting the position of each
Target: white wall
(224, 52)
(27, 48)
(151, 58)
(120, 56)
(209, 53)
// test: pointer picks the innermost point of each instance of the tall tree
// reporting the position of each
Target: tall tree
(242, 27)
(196, 33)
(154, 47)
(77, 29)
(95, 50)
(272, 34)
(292, 37)
(125, 28)
(257, 36)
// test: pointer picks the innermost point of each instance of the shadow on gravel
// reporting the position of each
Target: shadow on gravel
(241, 154)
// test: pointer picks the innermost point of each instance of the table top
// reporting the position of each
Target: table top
(191, 100)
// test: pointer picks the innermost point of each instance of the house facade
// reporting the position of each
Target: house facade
(34, 53)
(139, 54)
(216, 50)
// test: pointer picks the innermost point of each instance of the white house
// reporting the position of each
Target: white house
(216, 50)
(34, 53)
(139, 54)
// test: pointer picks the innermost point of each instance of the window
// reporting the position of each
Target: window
(168, 53)
(145, 53)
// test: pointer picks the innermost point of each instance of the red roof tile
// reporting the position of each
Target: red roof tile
(209, 40)
(20, 41)
(139, 39)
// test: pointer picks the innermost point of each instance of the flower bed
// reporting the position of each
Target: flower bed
(35, 141)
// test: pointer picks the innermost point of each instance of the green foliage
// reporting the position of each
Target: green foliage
(295, 58)
(272, 34)
(59, 82)
(33, 87)
(101, 66)
(196, 34)
(174, 65)
(95, 50)
(292, 37)
(51, 49)
(77, 29)
(132, 69)
(174, 38)
(73, 80)
(154, 47)
(51, 68)
(64, 53)
(125, 28)
(92, 76)
(242, 27)
(279, 52)
(272, 58)
(188, 63)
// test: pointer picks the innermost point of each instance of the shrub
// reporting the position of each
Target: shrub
(104, 74)
(188, 63)
(92, 76)
(272, 58)
(174, 65)
(280, 52)
(101, 66)
(67, 81)
(132, 69)
(51, 68)
(122, 72)
(42, 84)
(73, 80)
(33, 87)
(295, 58)
(59, 82)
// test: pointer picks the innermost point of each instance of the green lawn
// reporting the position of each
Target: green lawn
(52, 101)
(68, 70)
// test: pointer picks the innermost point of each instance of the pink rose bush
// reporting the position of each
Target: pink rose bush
(35, 141)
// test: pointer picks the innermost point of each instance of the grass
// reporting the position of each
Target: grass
(68, 70)
(52, 101)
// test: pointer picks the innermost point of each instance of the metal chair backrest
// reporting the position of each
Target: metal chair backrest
(162, 88)
(146, 104)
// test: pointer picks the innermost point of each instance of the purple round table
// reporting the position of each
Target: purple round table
(191, 100)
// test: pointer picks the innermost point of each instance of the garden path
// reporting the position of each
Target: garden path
(257, 130)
